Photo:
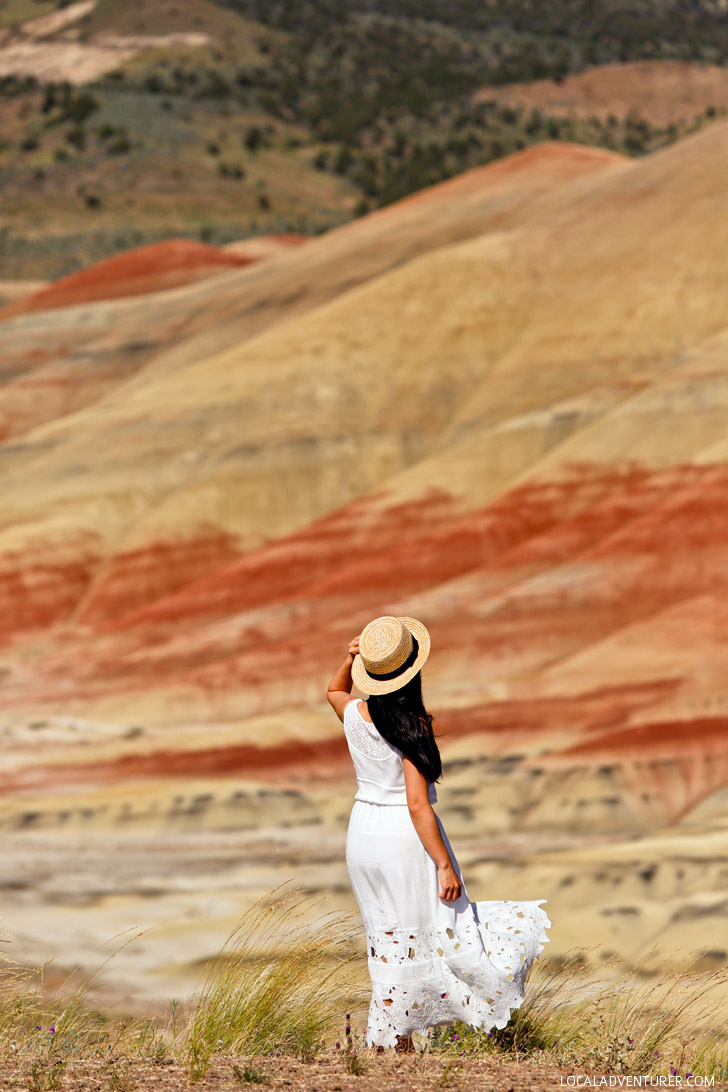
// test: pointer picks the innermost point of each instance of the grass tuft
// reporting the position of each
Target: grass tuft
(249, 1075)
(632, 1025)
(53, 1030)
(276, 986)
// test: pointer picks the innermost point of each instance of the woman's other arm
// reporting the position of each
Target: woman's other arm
(425, 823)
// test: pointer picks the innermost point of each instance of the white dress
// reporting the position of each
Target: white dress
(444, 961)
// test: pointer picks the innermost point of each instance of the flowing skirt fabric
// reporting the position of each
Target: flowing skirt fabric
(433, 962)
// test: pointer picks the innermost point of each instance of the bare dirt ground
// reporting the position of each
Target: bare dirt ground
(32, 50)
(660, 91)
(409, 1073)
(79, 63)
(54, 21)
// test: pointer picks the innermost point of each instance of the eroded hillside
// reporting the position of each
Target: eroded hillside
(498, 405)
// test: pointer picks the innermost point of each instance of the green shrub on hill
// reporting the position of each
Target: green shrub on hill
(375, 94)
(231, 170)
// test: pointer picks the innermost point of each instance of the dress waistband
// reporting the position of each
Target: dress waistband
(371, 793)
(381, 803)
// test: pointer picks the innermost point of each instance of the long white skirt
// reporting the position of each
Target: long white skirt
(433, 961)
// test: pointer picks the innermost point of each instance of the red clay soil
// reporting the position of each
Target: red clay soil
(708, 735)
(643, 541)
(679, 762)
(26, 359)
(595, 710)
(651, 540)
(40, 587)
(134, 576)
(557, 161)
(50, 587)
(134, 272)
(288, 238)
(271, 764)
(675, 521)
(369, 548)
(266, 246)
(62, 386)
(329, 759)
(272, 573)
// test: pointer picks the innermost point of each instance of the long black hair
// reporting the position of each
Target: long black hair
(401, 719)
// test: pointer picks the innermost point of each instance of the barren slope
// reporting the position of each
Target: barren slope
(659, 91)
(498, 406)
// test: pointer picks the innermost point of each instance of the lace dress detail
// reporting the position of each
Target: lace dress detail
(474, 971)
(366, 739)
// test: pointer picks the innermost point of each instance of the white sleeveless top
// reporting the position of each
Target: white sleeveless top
(377, 763)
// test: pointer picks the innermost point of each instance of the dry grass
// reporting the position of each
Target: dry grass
(632, 1025)
(275, 988)
(15, 12)
(273, 1000)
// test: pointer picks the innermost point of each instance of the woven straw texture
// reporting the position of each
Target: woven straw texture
(384, 645)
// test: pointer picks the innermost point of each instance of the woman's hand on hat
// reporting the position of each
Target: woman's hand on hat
(354, 646)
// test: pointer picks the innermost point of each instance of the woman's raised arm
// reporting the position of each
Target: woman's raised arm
(339, 691)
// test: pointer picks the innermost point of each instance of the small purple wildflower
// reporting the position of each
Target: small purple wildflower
(443, 995)
(689, 1073)
(338, 1045)
(630, 1039)
(456, 1037)
(38, 1027)
(52, 1029)
(673, 1071)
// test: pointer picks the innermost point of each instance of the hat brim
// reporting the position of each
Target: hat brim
(364, 681)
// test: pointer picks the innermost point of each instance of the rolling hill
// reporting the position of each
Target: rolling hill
(498, 405)
(125, 124)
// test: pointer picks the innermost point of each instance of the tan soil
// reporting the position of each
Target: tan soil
(57, 20)
(660, 91)
(409, 1073)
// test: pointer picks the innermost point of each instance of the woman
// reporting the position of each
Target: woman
(434, 956)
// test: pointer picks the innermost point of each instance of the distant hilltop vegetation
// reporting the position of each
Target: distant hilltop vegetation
(128, 123)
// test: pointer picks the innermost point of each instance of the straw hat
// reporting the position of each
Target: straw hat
(386, 659)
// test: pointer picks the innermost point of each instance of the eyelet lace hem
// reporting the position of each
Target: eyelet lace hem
(474, 971)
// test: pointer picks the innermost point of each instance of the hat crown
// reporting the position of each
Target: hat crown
(385, 644)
